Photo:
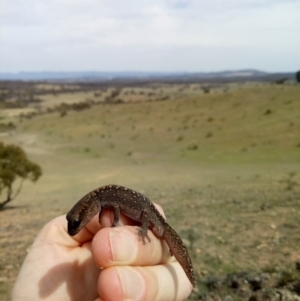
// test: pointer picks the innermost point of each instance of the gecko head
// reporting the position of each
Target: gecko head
(82, 212)
(74, 225)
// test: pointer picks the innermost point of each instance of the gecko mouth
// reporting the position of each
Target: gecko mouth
(71, 230)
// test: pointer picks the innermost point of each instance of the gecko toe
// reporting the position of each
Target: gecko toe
(142, 235)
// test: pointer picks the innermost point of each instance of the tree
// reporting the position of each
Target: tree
(14, 165)
(298, 76)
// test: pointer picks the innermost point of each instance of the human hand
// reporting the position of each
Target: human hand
(61, 267)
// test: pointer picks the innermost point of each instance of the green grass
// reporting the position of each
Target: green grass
(217, 163)
(240, 133)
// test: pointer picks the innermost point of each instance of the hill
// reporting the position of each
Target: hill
(227, 76)
(222, 160)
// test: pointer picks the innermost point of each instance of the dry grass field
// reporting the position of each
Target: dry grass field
(224, 165)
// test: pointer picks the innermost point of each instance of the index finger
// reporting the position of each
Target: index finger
(106, 220)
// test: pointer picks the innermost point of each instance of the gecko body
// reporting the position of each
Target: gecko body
(137, 207)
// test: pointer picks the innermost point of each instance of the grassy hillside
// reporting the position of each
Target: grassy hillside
(224, 165)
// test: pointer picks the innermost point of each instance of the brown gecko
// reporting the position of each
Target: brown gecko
(137, 207)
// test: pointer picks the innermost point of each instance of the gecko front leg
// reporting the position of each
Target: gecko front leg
(116, 212)
(143, 230)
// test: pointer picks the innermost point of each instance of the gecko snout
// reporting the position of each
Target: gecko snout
(73, 226)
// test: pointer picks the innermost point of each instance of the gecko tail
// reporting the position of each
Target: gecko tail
(179, 250)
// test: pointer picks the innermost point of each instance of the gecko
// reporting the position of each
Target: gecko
(135, 206)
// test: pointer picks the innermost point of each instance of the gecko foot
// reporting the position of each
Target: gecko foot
(115, 224)
(142, 235)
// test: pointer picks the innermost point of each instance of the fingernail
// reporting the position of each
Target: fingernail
(132, 283)
(122, 245)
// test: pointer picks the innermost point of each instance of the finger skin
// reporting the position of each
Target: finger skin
(162, 282)
(62, 259)
(121, 246)
(153, 274)
(56, 268)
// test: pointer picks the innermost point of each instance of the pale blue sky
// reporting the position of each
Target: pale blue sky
(135, 35)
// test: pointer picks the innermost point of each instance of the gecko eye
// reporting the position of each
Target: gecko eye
(75, 223)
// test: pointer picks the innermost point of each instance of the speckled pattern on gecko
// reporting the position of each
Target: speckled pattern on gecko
(137, 207)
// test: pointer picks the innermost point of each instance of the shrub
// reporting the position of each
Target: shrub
(14, 164)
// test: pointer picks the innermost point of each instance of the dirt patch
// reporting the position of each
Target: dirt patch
(211, 160)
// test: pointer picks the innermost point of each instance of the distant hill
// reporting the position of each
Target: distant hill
(237, 75)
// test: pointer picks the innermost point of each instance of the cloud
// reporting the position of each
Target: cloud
(143, 35)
